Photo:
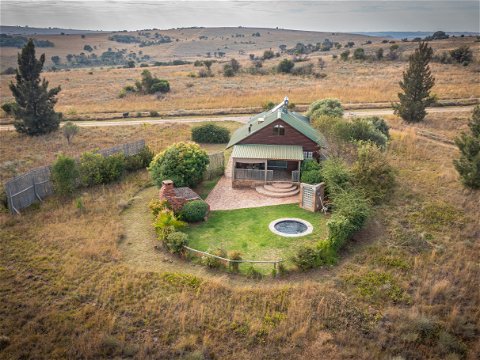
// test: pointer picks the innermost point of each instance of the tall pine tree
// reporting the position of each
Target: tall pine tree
(468, 166)
(416, 85)
(34, 110)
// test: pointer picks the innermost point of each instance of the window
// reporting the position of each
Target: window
(279, 130)
(307, 154)
(277, 164)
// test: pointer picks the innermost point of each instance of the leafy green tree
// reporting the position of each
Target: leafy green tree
(34, 113)
(416, 85)
(184, 163)
(468, 165)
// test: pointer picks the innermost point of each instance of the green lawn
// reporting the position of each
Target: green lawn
(246, 230)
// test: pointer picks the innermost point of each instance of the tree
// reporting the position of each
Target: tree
(468, 165)
(55, 59)
(34, 113)
(69, 131)
(416, 85)
(235, 65)
(268, 54)
(88, 48)
(184, 163)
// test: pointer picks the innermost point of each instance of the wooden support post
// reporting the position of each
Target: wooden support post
(35, 189)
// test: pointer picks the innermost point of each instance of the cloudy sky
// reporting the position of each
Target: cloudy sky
(304, 15)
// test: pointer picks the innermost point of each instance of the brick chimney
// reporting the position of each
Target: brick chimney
(167, 192)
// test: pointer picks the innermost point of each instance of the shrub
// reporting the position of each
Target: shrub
(162, 86)
(228, 70)
(154, 113)
(91, 169)
(10, 108)
(306, 69)
(311, 177)
(194, 211)
(309, 257)
(64, 175)
(175, 241)
(183, 163)
(140, 160)
(253, 273)
(268, 54)
(210, 134)
(69, 130)
(285, 66)
(359, 54)
(96, 169)
(212, 262)
(157, 205)
(373, 173)
(379, 54)
(234, 255)
(328, 107)
(351, 210)
(9, 71)
(309, 165)
(344, 55)
(112, 168)
(362, 129)
(166, 223)
(268, 105)
(462, 55)
(336, 174)
(380, 124)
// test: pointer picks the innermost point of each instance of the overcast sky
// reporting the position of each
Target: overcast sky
(342, 16)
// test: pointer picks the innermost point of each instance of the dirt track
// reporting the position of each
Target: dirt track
(240, 118)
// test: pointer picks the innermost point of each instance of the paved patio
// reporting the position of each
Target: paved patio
(224, 197)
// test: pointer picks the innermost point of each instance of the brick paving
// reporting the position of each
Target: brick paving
(224, 197)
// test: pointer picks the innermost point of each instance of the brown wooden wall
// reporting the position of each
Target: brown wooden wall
(291, 137)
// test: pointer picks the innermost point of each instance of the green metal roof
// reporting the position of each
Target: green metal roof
(297, 121)
(272, 152)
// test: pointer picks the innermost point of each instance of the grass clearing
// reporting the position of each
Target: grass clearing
(246, 231)
(204, 188)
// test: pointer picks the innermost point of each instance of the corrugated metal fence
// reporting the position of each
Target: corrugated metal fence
(26, 189)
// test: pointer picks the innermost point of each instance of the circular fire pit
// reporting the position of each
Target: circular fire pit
(291, 227)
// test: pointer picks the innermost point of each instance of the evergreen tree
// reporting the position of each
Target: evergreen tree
(34, 112)
(468, 166)
(416, 85)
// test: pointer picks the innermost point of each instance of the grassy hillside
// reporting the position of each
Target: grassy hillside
(406, 286)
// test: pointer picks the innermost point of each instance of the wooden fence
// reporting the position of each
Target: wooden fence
(215, 167)
(229, 261)
(33, 186)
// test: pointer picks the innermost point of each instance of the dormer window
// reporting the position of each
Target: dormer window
(279, 130)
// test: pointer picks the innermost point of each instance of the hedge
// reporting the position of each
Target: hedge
(210, 134)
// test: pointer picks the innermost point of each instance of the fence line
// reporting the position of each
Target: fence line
(34, 185)
(274, 262)
(216, 166)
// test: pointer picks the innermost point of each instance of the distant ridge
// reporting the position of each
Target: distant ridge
(26, 30)
(412, 34)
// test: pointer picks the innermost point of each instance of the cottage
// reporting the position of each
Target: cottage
(270, 148)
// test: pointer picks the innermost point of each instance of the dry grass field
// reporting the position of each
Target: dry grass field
(94, 92)
(406, 286)
(21, 153)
